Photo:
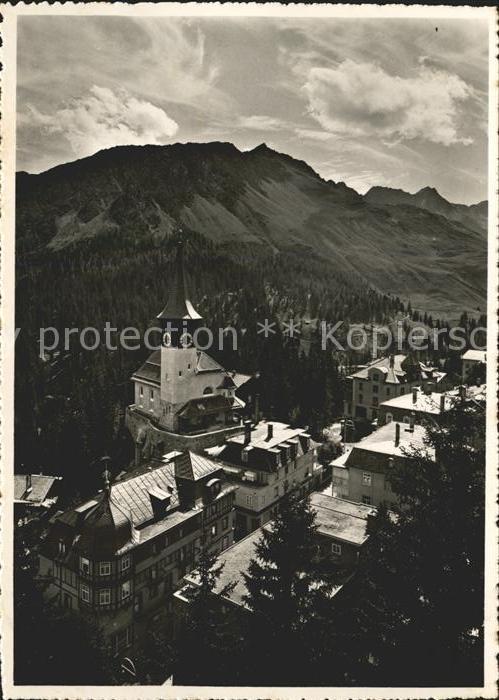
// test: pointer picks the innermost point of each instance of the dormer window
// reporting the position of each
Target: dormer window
(180, 373)
(84, 565)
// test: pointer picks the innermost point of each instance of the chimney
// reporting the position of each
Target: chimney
(392, 361)
(397, 434)
(28, 482)
(442, 403)
(414, 394)
(412, 421)
(429, 388)
(257, 408)
(270, 431)
(462, 392)
(247, 432)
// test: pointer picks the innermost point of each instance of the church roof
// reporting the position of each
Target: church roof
(205, 406)
(150, 371)
(179, 305)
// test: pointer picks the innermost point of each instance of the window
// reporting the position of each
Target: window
(214, 529)
(125, 563)
(180, 373)
(389, 417)
(276, 490)
(141, 391)
(151, 395)
(244, 456)
(189, 366)
(375, 388)
(375, 401)
(104, 568)
(85, 593)
(402, 390)
(388, 391)
(84, 565)
(225, 523)
(104, 596)
(62, 547)
(366, 478)
(361, 398)
(125, 590)
(214, 509)
(153, 591)
(366, 500)
(225, 541)
(335, 548)
(208, 390)
(249, 500)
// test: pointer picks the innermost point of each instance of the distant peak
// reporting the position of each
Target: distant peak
(428, 189)
(262, 148)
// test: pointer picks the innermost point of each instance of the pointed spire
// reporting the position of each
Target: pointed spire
(178, 306)
(106, 475)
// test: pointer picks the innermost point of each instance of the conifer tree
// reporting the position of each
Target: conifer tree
(289, 592)
(419, 606)
(206, 642)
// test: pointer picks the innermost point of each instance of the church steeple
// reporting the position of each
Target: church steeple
(179, 315)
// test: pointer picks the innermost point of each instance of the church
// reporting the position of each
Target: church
(183, 399)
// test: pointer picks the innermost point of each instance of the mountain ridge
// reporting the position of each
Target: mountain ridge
(429, 198)
(138, 195)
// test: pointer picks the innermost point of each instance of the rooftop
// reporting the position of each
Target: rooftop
(395, 367)
(341, 520)
(33, 488)
(281, 432)
(475, 356)
(179, 305)
(425, 403)
(150, 371)
(373, 452)
(127, 510)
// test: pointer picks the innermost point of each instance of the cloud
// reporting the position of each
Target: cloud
(361, 99)
(261, 123)
(103, 118)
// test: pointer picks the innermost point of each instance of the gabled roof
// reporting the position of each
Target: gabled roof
(150, 371)
(206, 405)
(41, 485)
(396, 369)
(112, 523)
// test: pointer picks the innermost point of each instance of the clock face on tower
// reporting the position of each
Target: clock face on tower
(186, 340)
(167, 339)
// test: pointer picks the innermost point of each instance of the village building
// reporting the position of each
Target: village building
(386, 378)
(266, 462)
(118, 557)
(473, 365)
(420, 405)
(361, 473)
(35, 496)
(341, 535)
(184, 399)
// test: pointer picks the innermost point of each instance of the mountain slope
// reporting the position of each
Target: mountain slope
(473, 216)
(260, 200)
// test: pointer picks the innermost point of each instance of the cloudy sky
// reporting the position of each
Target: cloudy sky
(401, 102)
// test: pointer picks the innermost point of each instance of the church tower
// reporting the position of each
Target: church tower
(183, 399)
(179, 321)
